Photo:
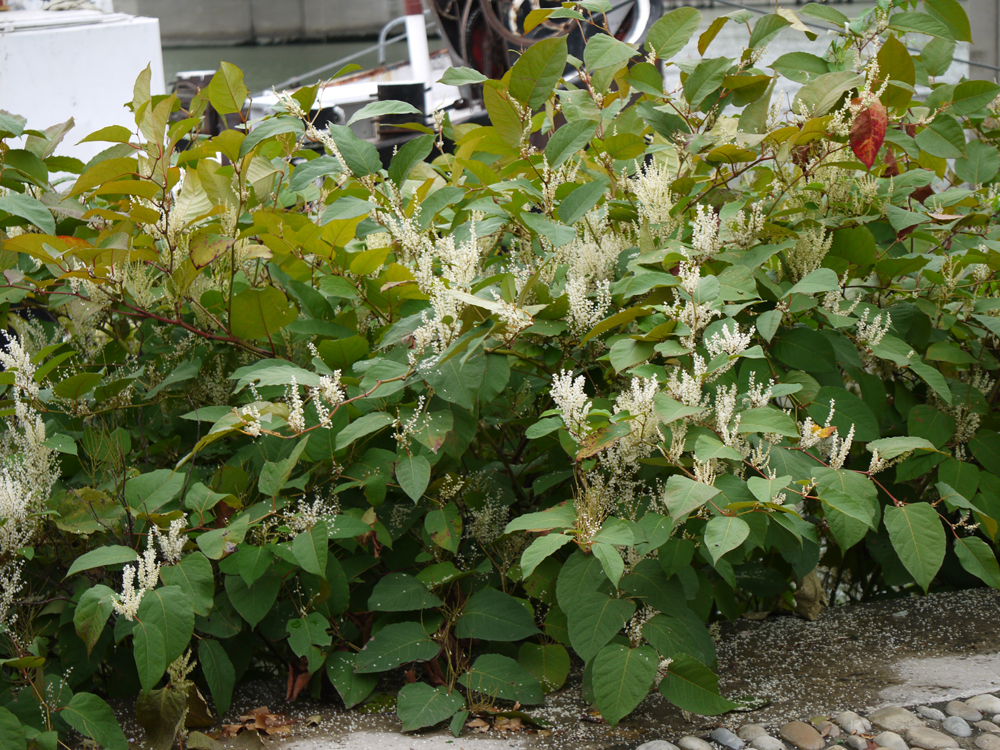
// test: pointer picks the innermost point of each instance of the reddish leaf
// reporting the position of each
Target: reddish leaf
(868, 132)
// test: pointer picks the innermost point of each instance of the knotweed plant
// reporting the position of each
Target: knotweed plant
(277, 408)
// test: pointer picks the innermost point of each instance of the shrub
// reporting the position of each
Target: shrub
(273, 410)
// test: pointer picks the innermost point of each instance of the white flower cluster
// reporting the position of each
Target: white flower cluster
(729, 342)
(573, 404)
(330, 393)
(705, 240)
(584, 313)
(651, 186)
(747, 228)
(138, 579)
(807, 255)
(827, 439)
(172, 545)
(871, 334)
(305, 514)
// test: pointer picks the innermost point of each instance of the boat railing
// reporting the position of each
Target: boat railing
(378, 48)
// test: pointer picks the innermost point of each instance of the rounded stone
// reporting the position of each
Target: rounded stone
(852, 723)
(895, 719)
(727, 739)
(987, 704)
(962, 710)
(750, 732)
(802, 736)
(693, 743)
(766, 742)
(931, 713)
(988, 742)
(957, 726)
(657, 745)
(890, 740)
(828, 729)
(987, 726)
(856, 743)
(929, 739)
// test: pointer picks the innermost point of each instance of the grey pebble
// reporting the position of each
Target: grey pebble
(988, 742)
(929, 739)
(987, 704)
(856, 743)
(828, 729)
(766, 742)
(750, 732)
(963, 710)
(802, 736)
(957, 726)
(693, 743)
(852, 723)
(931, 713)
(895, 719)
(657, 745)
(890, 740)
(987, 726)
(727, 739)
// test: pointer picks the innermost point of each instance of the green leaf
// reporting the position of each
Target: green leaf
(680, 633)
(971, 96)
(622, 678)
(11, 730)
(604, 51)
(161, 713)
(502, 677)
(920, 23)
(362, 426)
(226, 91)
(705, 78)
(581, 574)
(951, 14)
(565, 142)
(597, 618)
(219, 673)
(253, 602)
(683, 496)
(399, 592)
(549, 664)
(353, 688)
(848, 410)
(169, 609)
(540, 549)
(385, 107)
(92, 717)
(457, 76)
(102, 557)
(458, 379)
(804, 349)
(361, 156)
(413, 474)
(394, 645)
(611, 561)
(626, 353)
(672, 31)
(149, 652)
(492, 615)
(825, 91)
(311, 548)
(930, 423)
(561, 516)
(692, 686)
(308, 631)
(260, 313)
(91, 614)
(29, 208)
(980, 164)
(723, 534)
(537, 71)
(444, 526)
(419, 705)
(269, 129)
(979, 559)
(894, 447)
(917, 536)
(943, 138)
(412, 153)
(820, 280)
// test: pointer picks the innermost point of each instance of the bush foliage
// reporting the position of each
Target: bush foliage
(622, 363)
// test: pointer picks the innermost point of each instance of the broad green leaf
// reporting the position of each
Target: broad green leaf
(611, 561)
(683, 496)
(226, 91)
(412, 153)
(361, 156)
(11, 730)
(413, 474)
(502, 677)
(102, 557)
(894, 447)
(91, 614)
(561, 516)
(219, 673)
(92, 717)
(692, 686)
(672, 31)
(540, 549)
(253, 602)
(394, 645)
(308, 631)
(680, 632)
(596, 619)
(270, 128)
(362, 426)
(419, 705)
(537, 71)
(456, 76)
(705, 78)
(549, 664)
(444, 526)
(980, 164)
(622, 678)
(149, 652)
(492, 615)
(161, 713)
(311, 548)
(352, 687)
(580, 574)
(385, 107)
(848, 410)
(565, 142)
(978, 558)
(917, 536)
(724, 534)
(260, 313)
(951, 14)
(399, 592)
(604, 51)
(943, 138)
(29, 208)
(169, 609)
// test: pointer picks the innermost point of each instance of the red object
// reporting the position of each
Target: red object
(868, 132)
(413, 7)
